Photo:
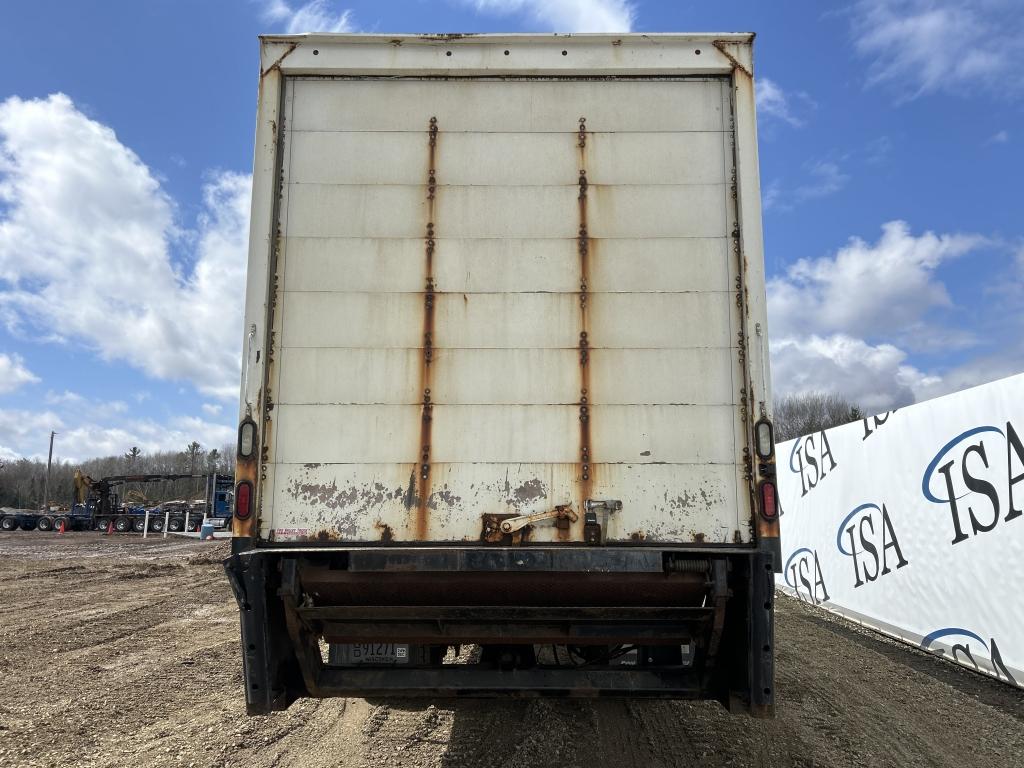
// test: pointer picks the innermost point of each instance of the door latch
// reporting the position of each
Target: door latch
(563, 514)
(593, 529)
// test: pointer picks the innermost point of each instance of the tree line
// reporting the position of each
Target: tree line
(22, 480)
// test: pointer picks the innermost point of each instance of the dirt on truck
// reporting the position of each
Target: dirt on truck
(122, 652)
(505, 372)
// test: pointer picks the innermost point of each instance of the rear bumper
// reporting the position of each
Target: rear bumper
(716, 601)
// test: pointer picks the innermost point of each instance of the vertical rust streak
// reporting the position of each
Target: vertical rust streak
(427, 411)
(583, 246)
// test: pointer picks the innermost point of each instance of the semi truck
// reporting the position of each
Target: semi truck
(505, 424)
(100, 505)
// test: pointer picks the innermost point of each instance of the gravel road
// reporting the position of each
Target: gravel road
(116, 651)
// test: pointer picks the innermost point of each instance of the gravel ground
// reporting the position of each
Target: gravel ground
(116, 651)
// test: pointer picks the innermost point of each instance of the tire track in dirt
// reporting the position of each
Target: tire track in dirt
(155, 680)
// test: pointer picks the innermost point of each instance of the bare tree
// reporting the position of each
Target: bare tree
(798, 415)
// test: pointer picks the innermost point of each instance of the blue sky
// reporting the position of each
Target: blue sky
(891, 156)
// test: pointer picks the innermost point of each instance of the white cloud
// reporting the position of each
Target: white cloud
(212, 409)
(26, 433)
(923, 46)
(874, 377)
(105, 432)
(315, 16)
(866, 288)
(773, 102)
(13, 373)
(999, 137)
(842, 323)
(567, 15)
(86, 242)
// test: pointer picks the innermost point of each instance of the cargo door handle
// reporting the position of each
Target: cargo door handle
(560, 513)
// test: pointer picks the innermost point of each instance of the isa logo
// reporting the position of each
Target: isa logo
(974, 476)
(812, 459)
(803, 574)
(959, 641)
(867, 537)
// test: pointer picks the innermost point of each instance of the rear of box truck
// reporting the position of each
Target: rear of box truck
(505, 423)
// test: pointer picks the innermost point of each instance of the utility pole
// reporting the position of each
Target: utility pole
(46, 484)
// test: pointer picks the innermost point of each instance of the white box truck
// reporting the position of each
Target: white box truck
(505, 413)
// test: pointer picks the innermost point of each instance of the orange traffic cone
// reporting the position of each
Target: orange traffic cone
(110, 527)
(61, 528)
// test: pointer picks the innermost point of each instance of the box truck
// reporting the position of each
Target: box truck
(505, 422)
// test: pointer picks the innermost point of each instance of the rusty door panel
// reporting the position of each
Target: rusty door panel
(466, 325)
(505, 433)
(352, 210)
(508, 106)
(376, 502)
(507, 265)
(507, 320)
(490, 159)
(312, 376)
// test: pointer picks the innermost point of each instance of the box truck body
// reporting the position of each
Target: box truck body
(505, 377)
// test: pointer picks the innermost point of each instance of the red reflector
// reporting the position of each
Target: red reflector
(769, 509)
(243, 500)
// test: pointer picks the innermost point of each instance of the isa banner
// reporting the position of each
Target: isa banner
(912, 522)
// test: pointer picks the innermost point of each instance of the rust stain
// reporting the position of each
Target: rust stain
(277, 63)
(723, 46)
(583, 246)
(422, 523)
(737, 537)
(386, 534)
(698, 538)
(638, 536)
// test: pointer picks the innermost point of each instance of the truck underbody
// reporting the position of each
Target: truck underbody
(550, 621)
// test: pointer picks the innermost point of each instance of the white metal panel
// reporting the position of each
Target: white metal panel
(507, 320)
(678, 434)
(663, 210)
(513, 106)
(507, 159)
(507, 265)
(340, 376)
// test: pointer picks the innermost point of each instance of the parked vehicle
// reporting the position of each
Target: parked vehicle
(505, 373)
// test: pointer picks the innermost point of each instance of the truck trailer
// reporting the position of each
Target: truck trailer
(505, 423)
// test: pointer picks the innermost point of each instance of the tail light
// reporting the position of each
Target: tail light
(764, 442)
(769, 501)
(243, 500)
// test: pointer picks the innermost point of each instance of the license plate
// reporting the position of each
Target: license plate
(369, 653)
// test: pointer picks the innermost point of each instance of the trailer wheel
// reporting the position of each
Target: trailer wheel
(156, 525)
(8, 524)
(193, 526)
(58, 521)
(44, 524)
(175, 524)
(102, 523)
(139, 524)
(122, 525)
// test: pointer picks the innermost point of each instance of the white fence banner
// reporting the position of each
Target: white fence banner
(912, 522)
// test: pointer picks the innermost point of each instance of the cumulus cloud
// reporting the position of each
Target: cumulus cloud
(13, 373)
(315, 16)
(87, 249)
(566, 15)
(875, 377)
(867, 288)
(837, 321)
(923, 46)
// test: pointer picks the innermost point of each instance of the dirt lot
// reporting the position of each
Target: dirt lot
(116, 651)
